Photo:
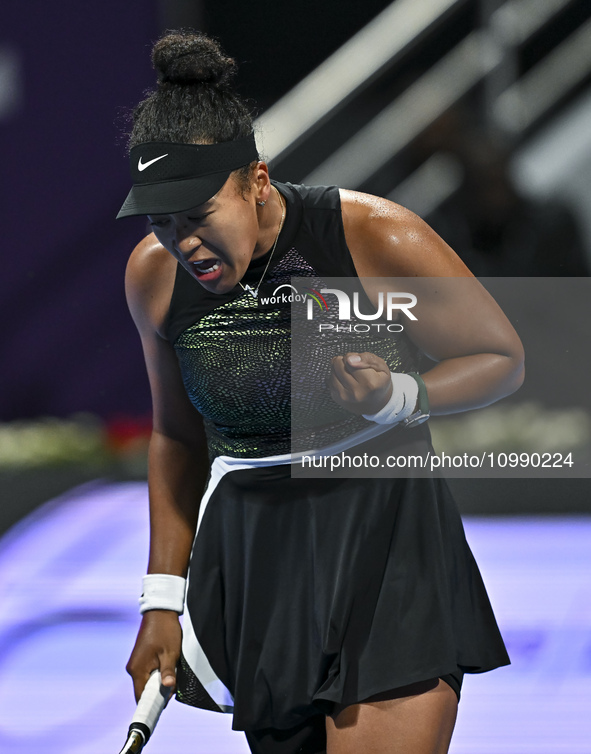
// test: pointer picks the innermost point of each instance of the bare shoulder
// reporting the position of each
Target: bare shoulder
(149, 281)
(386, 240)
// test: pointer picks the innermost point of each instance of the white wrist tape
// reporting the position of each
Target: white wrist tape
(162, 591)
(405, 391)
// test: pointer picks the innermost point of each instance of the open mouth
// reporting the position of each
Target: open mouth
(206, 269)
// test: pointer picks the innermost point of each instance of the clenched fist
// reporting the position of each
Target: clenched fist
(360, 382)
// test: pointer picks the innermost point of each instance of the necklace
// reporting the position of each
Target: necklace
(254, 292)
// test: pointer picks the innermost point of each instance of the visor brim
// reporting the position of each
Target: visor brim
(168, 197)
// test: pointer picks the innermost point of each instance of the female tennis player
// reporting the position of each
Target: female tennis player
(328, 614)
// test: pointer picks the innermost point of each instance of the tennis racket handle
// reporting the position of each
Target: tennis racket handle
(153, 700)
(136, 741)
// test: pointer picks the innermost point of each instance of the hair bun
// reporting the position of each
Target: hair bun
(189, 57)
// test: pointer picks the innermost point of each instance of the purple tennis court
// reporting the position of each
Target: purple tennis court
(70, 575)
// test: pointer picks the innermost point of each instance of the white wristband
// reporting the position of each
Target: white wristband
(163, 591)
(405, 391)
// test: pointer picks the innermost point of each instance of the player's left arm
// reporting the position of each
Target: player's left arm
(479, 355)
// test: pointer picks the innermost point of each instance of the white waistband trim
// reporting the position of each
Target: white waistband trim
(229, 463)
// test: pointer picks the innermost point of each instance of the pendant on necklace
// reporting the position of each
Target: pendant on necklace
(254, 292)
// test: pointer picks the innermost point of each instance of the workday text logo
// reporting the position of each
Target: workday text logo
(289, 294)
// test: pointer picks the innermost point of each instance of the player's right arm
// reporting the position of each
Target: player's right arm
(177, 461)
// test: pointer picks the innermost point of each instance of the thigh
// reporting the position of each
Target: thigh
(416, 719)
(307, 738)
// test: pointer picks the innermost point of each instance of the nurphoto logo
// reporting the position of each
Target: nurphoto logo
(394, 302)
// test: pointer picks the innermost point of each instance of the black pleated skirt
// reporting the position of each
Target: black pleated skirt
(304, 593)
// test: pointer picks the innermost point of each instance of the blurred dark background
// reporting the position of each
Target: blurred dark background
(77, 70)
(473, 113)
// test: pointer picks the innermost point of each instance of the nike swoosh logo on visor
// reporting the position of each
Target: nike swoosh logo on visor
(143, 165)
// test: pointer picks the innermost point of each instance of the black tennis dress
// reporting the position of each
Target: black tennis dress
(304, 593)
